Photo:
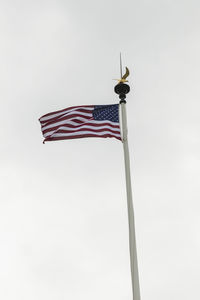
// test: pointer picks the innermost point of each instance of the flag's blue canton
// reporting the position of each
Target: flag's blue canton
(106, 112)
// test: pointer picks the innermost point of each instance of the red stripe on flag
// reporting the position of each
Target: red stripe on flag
(64, 110)
(78, 126)
(79, 136)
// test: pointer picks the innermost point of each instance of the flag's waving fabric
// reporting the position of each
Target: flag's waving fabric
(82, 121)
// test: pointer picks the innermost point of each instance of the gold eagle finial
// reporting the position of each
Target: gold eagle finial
(123, 78)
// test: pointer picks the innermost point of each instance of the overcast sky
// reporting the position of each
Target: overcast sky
(63, 213)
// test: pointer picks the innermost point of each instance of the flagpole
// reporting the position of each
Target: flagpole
(122, 89)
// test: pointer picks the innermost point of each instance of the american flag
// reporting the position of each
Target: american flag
(81, 121)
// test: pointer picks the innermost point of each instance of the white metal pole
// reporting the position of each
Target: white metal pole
(132, 239)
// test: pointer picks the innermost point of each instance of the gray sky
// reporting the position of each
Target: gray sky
(63, 215)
